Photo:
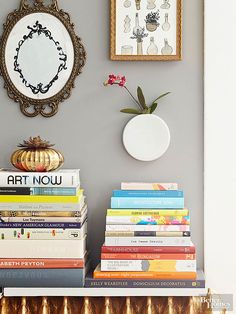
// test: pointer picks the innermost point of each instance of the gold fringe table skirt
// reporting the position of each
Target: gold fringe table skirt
(103, 305)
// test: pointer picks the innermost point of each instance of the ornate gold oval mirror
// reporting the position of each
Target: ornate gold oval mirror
(40, 57)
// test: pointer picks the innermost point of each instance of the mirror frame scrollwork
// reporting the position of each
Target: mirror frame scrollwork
(45, 107)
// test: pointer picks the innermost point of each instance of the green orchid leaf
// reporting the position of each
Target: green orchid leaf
(146, 111)
(130, 111)
(161, 96)
(141, 98)
(153, 107)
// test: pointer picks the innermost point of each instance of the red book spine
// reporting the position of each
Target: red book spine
(148, 249)
(147, 256)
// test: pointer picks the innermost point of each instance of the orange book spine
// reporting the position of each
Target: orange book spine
(41, 263)
(146, 256)
(144, 275)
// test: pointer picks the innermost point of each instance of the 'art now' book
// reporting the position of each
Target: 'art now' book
(147, 202)
(60, 178)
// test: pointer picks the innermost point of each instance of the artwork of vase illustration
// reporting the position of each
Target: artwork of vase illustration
(167, 49)
(151, 4)
(127, 50)
(127, 24)
(165, 5)
(139, 34)
(166, 25)
(146, 30)
(137, 28)
(127, 3)
(152, 49)
(152, 21)
(138, 4)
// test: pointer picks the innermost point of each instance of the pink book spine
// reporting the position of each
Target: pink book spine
(148, 186)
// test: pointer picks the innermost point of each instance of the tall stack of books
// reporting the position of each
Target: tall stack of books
(43, 229)
(147, 239)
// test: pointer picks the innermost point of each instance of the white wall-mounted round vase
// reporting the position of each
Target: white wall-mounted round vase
(146, 137)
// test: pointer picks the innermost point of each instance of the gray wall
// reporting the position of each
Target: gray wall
(88, 127)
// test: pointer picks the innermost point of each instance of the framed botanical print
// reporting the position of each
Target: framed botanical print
(146, 30)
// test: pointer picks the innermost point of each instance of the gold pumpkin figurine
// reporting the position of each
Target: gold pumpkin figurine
(37, 155)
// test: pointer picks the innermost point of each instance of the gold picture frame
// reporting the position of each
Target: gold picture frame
(17, 85)
(177, 52)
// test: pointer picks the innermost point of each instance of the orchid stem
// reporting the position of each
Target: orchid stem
(135, 100)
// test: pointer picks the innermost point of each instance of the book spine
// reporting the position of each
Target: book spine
(144, 275)
(148, 220)
(119, 283)
(148, 186)
(42, 278)
(147, 256)
(43, 234)
(38, 191)
(156, 228)
(146, 193)
(55, 191)
(151, 249)
(142, 202)
(41, 198)
(149, 265)
(42, 206)
(152, 212)
(15, 191)
(44, 225)
(42, 219)
(40, 263)
(11, 213)
(38, 249)
(146, 234)
(52, 179)
(147, 241)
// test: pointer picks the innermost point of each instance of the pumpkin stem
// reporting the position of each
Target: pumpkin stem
(35, 142)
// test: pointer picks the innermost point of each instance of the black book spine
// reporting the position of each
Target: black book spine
(14, 191)
(153, 234)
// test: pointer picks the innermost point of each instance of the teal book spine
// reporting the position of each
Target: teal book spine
(147, 203)
(54, 191)
(146, 193)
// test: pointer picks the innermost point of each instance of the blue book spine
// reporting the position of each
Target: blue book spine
(54, 191)
(56, 225)
(147, 203)
(42, 278)
(134, 193)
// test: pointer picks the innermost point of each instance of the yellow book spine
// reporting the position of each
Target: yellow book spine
(41, 198)
(149, 265)
(147, 212)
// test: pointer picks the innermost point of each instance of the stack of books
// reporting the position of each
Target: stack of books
(147, 239)
(43, 229)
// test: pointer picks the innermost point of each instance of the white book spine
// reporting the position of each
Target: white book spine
(148, 186)
(152, 265)
(61, 178)
(30, 234)
(156, 228)
(133, 220)
(147, 241)
(42, 206)
(42, 249)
